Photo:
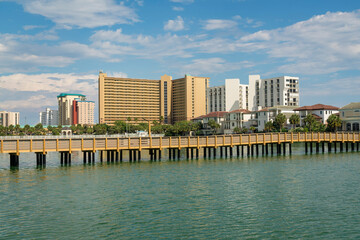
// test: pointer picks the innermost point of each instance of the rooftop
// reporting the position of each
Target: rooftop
(353, 105)
(215, 114)
(70, 94)
(240, 111)
(316, 107)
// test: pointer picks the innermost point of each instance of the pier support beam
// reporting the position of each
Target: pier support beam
(14, 160)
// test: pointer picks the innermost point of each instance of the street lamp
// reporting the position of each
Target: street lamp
(149, 126)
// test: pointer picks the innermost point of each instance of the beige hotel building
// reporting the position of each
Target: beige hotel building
(173, 99)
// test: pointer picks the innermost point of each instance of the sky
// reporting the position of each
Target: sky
(49, 47)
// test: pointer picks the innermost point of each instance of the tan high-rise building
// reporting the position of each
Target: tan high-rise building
(149, 100)
(189, 98)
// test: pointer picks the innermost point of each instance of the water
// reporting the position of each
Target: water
(299, 196)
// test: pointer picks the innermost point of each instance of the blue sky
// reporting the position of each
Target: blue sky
(53, 46)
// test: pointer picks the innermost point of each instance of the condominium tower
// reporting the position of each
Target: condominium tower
(49, 117)
(228, 97)
(83, 112)
(148, 100)
(66, 104)
(259, 94)
(9, 118)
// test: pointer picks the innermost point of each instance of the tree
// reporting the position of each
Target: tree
(269, 126)
(280, 120)
(294, 119)
(161, 119)
(237, 130)
(310, 121)
(213, 125)
(334, 122)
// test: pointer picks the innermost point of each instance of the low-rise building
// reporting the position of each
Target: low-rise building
(236, 119)
(269, 114)
(350, 116)
(321, 112)
(9, 118)
(218, 117)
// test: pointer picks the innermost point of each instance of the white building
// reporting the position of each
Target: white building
(236, 119)
(228, 97)
(49, 117)
(350, 117)
(269, 114)
(321, 112)
(259, 94)
(278, 91)
(9, 118)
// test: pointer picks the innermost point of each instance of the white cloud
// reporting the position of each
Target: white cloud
(31, 93)
(213, 65)
(174, 25)
(50, 82)
(179, 9)
(216, 24)
(323, 44)
(81, 13)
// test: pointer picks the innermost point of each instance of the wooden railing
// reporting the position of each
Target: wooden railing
(45, 145)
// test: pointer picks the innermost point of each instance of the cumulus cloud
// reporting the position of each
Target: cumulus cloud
(323, 44)
(215, 24)
(174, 25)
(82, 13)
(50, 82)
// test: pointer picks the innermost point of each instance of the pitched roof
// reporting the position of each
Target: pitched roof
(316, 116)
(264, 110)
(215, 114)
(199, 118)
(316, 107)
(240, 111)
(353, 105)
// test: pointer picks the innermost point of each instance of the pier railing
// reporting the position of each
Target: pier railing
(17, 145)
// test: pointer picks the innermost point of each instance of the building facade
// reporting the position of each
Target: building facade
(9, 118)
(49, 117)
(320, 112)
(350, 117)
(258, 94)
(236, 119)
(151, 100)
(228, 97)
(66, 105)
(278, 91)
(83, 112)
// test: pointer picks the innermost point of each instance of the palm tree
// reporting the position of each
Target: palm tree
(334, 122)
(309, 121)
(294, 119)
(280, 120)
(269, 126)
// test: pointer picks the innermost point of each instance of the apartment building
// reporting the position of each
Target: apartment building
(9, 118)
(149, 100)
(350, 116)
(258, 94)
(269, 114)
(49, 117)
(66, 106)
(83, 112)
(228, 97)
(283, 91)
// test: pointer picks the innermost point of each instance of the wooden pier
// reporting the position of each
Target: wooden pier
(227, 144)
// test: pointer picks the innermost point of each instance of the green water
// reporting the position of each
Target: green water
(300, 197)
